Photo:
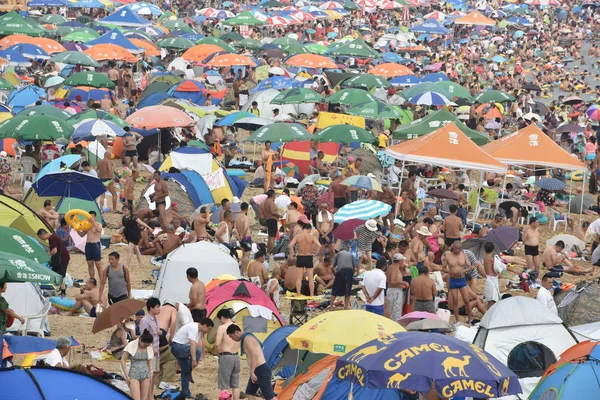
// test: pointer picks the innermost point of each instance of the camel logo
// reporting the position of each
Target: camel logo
(505, 384)
(451, 362)
(396, 380)
(364, 353)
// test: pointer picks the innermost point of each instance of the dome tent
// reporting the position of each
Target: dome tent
(580, 305)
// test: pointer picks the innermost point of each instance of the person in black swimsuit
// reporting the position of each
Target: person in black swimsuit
(132, 233)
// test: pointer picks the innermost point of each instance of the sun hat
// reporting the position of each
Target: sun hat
(179, 231)
(424, 231)
(371, 225)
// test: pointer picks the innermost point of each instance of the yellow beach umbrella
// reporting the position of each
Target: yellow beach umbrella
(333, 14)
(338, 332)
(11, 77)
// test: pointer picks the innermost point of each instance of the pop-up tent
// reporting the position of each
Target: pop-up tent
(475, 18)
(18, 216)
(25, 299)
(211, 260)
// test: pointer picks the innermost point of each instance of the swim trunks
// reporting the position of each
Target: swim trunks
(304, 262)
(532, 251)
(457, 283)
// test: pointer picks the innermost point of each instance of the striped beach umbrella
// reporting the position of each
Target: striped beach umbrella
(430, 99)
(362, 209)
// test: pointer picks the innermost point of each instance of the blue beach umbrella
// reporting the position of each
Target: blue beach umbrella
(232, 118)
(29, 51)
(550, 184)
(435, 77)
(15, 59)
(54, 165)
(277, 83)
(90, 129)
(406, 80)
(362, 182)
(70, 184)
(430, 99)
(362, 209)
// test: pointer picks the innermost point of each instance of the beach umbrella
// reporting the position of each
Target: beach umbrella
(572, 100)
(93, 114)
(14, 23)
(355, 48)
(580, 203)
(504, 237)
(593, 112)
(280, 132)
(231, 36)
(110, 52)
(430, 99)
(159, 117)
(248, 43)
(308, 178)
(344, 133)
(532, 87)
(230, 119)
(276, 82)
(14, 58)
(244, 18)
(570, 381)
(451, 367)
(74, 58)
(144, 8)
(252, 123)
(89, 130)
(69, 184)
(16, 268)
(338, 332)
(89, 78)
(345, 230)
(221, 43)
(477, 247)
(80, 36)
(297, 96)
(54, 19)
(28, 50)
(366, 81)
(35, 127)
(288, 168)
(57, 164)
(230, 60)
(5, 85)
(175, 43)
(374, 110)
(15, 242)
(53, 81)
(493, 96)
(568, 128)
(416, 316)
(45, 109)
(315, 48)
(390, 70)
(350, 97)
(363, 182)
(311, 61)
(442, 194)
(550, 184)
(428, 324)
(531, 117)
(362, 209)
(115, 313)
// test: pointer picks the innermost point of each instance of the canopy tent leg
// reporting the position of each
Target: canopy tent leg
(399, 192)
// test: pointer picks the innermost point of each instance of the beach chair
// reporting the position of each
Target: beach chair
(27, 164)
(556, 218)
(25, 328)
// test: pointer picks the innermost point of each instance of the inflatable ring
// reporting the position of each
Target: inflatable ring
(64, 304)
(79, 220)
(577, 176)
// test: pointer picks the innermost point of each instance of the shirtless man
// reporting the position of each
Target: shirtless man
(197, 295)
(169, 320)
(270, 213)
(288, 274)
(419, 243)
(325, 228)
(408, 211)
(173, 216)
(161, 191)
(88, 298)
(304, 260)
(265, 155)
(93, 247)
(424, 290)
(387, 196)
(396, 286)
(129, 188)
(105, 173)
(167, 241)
(555, 256)
(257, 272)
(105, 103)
(324, 274)
(229, 360)
(200, 224)
(340, 192)
(242, 227)
(260, 372)
(130, 142)
(292, 215)
(531, 240)
(452, 226)
(491, 291)
(454, 262)
(49, 214)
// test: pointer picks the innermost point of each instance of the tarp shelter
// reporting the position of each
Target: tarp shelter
(40, 383)
(240, 290)
(531, 146)
(430, 27)
(125, 17)
(475, 18)
(211, 260)
(25, 299)
(18, 216)
(580, 305)
(524, 335)
(320, 382)
(431, 122)
(446, 146)
(117, 38)
(23, 345)
(299, 154)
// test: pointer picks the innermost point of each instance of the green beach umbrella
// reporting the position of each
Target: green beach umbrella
(80, 37)
(355, 48)
(15, 268)
(166, 16)
(493, 96)
(54, 19)
(74, 58)
(350, 97)
(231, 36)
(13, 23)
(344, 133)
(64, 30)
(89, 78)
(96, 114)
(366, 81)
(374, 110)
(177, 25)
(293, 48)
(35, 127)
(221, 43)
(351, 6)
(251, 44)
(46, 109)
(423, 87)
(297, 96)
(272, 3)
(244, 18)
(15, 242)
(174, 42)
(5, 85)
(315, 48)
(452, 89)
(280, 132)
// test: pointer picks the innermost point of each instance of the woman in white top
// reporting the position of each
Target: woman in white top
(139, 375)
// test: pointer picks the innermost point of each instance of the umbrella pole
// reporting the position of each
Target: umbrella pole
(399, 192)
(582, 196)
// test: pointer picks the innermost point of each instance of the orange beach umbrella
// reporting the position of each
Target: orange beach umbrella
(48, 45)
(230, 60)
(391, 70)
(311, 61)
(149, 48)
(201, 52)
(102, 52)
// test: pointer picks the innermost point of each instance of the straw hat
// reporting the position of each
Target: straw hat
(372, 225)
(424, 231)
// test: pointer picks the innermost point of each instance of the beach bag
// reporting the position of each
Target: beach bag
(172, 394)
(499, 265)
(98, 372)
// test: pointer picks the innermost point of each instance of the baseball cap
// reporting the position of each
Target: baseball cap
(309, 183)
(438, 218)
(179, 231)
(399, 257)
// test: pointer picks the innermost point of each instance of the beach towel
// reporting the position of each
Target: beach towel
(491, 291)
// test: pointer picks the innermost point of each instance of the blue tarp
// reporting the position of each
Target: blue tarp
(187, 185)
(125, 17)
(238, 185)
(39, 383)
(87, 4)
(117, 38)
(274, 346)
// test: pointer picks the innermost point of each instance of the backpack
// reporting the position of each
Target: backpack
(172, 394)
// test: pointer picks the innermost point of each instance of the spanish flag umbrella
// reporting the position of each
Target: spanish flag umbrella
(230, 60)
(311, 61)
(201, 52)
(391, 70)
(103, 52)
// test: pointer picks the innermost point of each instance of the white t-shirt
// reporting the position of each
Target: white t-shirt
(91, 172)
(595, 226)
(282, 202)
(187, 333)
(545, 297)
(55, 358)
(184, 316)
(373, 280)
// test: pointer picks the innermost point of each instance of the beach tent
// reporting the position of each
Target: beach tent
(580, 305)
(117, 38)
(299, 154)
(446, 146)
(18, 216)
(38, 383)
(431, 122)
(61, 204)
(280, 358)
(211, 260)
(25, 299)
(430, 27)
(531, 146)
(320, 382)
(239, 290)
(525, 336)
(125, 17)
(475, 18)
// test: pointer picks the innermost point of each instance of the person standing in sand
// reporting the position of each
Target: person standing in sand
(325, 228)
(229, 360)
(93, 247)
(161, 191)
(304, 258)
(292, 215)
(242, 227)
(197, 295)
(531, 240)
(491, 291)
(130, 142)
(88, 298)
(270, 213)
(200, 223)
(454, 262)
(424, 290)
(105, 173)
(118, 278)
(452, 227)
(396, 286)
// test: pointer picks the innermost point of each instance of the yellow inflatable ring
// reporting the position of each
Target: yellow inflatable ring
(577, 176)
(79, 220)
